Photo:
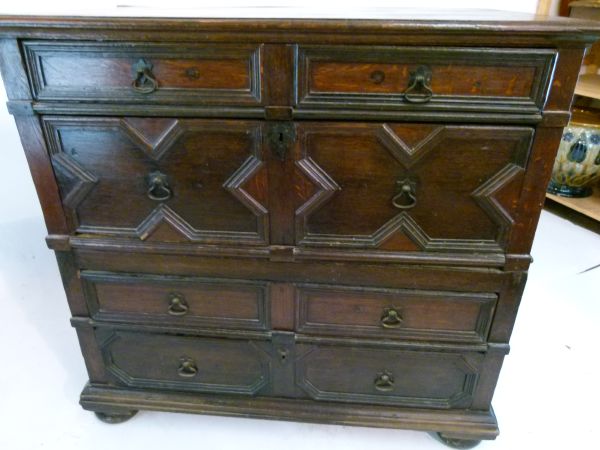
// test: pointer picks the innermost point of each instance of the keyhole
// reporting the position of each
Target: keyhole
(281, 138)
(283, 353)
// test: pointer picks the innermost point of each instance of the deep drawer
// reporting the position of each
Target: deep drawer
(138, 72)
(409, 186)
(179, 301)
(397, 377)
(144, 360)
(482, 79)
(162, 179)
(394, 313)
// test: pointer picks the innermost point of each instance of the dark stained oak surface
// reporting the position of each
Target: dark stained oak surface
(181, 301)
(291, 213)
(306, 18)
(180, 363)
(214, 170)
(463, 180)
(438, 380)
(105, 72)
(389, 313)
(460, 78)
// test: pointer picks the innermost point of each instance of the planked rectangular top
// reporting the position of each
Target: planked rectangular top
(277, 19)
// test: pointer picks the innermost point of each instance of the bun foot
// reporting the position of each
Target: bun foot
(456, 442)
(113, 418)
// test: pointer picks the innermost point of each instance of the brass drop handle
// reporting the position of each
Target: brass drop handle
(391, 318)
(384, 382)
(177, 305)
(158, 187)
(407, 197)
(187, 368)
(144, 81)
(419, 86)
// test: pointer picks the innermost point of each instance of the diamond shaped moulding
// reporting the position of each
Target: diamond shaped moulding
(423, 140)
(154, 225)
(235, 185)
(75, 182)
(485, 196)
(155, 139)
(325, 184)
(402, 230)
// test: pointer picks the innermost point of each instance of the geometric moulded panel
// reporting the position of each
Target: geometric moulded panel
(163, 179)
(409, 187)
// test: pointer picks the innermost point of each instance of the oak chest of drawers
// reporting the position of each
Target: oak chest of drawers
(319, 220)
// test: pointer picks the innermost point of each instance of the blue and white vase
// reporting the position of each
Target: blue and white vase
(577, 164)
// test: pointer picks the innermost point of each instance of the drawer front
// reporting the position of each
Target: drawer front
(408, 187)
(137, 72)
(173, 180)
(404, 378)
(144, 360)
(180, 301)
(387, 78)
(394, 313)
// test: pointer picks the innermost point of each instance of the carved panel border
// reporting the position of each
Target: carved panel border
(90, 279)
(467, 363)
(156, 151)
(250, 96)
(542, 60)
(408, 157)
(108, 337)
(486, 303)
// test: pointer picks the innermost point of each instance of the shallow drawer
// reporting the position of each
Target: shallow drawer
(181, 301)
(429, 78)
(145, 72)
(184, 363)
(370, 375)
(162, 179)
(394, 313)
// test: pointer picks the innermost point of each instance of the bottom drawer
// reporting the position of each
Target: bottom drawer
(428, 379)
(339, 372)
(159, 361)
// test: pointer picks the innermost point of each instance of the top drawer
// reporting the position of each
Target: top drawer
(145, 72)
(429, 78)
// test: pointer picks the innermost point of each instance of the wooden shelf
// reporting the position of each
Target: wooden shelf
(588, 86)
(589, 206)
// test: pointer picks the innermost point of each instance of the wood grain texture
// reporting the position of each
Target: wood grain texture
(416, 379)
(477, 424)
(214, 171)
(462, 173)
(282, 306)
(104, 72)
(417, 276)
(70, 275)
(40, 166)
(461, 79)
(181, 301)
(157, 361)
(277, 228)
(426, 315)
(13, 71)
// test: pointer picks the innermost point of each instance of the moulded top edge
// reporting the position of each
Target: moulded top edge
(281, 19)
